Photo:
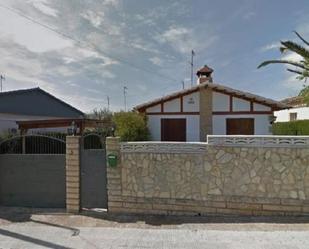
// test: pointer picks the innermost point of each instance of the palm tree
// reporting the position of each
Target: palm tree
(302, 66)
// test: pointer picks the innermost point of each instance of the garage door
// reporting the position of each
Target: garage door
(240, 126)
(173, 129)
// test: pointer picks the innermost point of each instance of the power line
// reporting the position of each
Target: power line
(86, 44)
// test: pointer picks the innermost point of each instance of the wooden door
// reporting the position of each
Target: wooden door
(173, 129)
(240, 126)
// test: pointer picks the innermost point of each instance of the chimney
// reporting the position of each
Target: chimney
(204, 75)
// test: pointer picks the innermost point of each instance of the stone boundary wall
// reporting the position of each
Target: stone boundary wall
(215, 180)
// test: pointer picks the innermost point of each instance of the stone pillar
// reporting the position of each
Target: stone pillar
(113, 175)
(73, 174)
(205, 113)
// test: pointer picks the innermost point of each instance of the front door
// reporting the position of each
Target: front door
(173, 129)
(240, 126)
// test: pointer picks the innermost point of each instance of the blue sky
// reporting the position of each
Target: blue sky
(145, 45)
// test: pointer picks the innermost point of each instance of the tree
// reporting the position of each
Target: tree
(301, 68)
(103, 115)
(131, 126)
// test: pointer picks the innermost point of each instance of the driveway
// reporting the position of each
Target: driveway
(34, 228)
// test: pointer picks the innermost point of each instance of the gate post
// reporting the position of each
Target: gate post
(73, 174)
(113, 174)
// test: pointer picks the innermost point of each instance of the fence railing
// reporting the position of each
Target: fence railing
(93, 141)
(163, 147)
(259, 141)
(32, 144)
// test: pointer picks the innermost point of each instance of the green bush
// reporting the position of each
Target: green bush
(298, 127)
(131, 126)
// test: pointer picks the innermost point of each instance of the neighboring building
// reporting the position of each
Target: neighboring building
(299, 110)
(208, 108)
(32, 104)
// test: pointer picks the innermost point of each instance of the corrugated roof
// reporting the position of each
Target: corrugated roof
(216, 87)
(37, 102)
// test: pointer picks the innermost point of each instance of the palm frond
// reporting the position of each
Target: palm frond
(283, 49)
(300, 37)
(292, 46)
(293, 63)
(294, 71)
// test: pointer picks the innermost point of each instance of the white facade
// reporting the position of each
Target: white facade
(192, 125)
(262, 124)
(284, 115)
(224, 106)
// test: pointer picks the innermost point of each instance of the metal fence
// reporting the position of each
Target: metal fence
(32, 144)
(93, 141)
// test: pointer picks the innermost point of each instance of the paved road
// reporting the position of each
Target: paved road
(33, 229)
(44, 236)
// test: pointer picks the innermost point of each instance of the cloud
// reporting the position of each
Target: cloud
(93, 17)
(156, 61)
(249, 15)
(271, 46)
(43, 6)
(32, 36)
(183, 39)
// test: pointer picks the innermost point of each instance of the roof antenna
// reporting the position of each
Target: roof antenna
(191, 63)
(1, 79)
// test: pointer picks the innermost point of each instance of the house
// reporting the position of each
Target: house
(299, 110)
(208, 109)
(32, 104)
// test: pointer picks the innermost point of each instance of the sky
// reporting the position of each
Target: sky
(85, 50)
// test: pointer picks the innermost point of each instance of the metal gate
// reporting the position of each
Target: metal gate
(93, 172)
(32, 171)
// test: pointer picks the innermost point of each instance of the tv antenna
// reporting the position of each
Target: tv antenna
(2, 78)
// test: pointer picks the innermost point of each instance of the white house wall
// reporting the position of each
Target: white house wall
(191, 102)
(172, 105)
(156, 108)
(284, 115)
(240, 105)
(220, 102)
(259, 107)
(261, 123)
(192, 124)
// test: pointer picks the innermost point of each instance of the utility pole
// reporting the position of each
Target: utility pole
(125, 97)
(108, 103)
(183, 84)
(1, 79)
(191, 63)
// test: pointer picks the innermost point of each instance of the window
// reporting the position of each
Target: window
(293, 116)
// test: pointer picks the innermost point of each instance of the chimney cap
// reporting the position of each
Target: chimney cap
(204, 70)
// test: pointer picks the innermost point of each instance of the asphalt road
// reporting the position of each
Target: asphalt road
(43, 236)
(32, 228)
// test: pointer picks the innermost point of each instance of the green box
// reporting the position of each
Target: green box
(112, 160)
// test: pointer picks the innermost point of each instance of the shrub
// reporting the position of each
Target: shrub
(131, 126)
(298, 127)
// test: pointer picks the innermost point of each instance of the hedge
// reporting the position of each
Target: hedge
(298, 127)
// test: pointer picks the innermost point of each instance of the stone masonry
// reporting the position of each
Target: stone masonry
(205, 113)
(73, 174)
(219, 180)
(113, 174)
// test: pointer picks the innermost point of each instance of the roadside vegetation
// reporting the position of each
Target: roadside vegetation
(129, 126)
(298, 127)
